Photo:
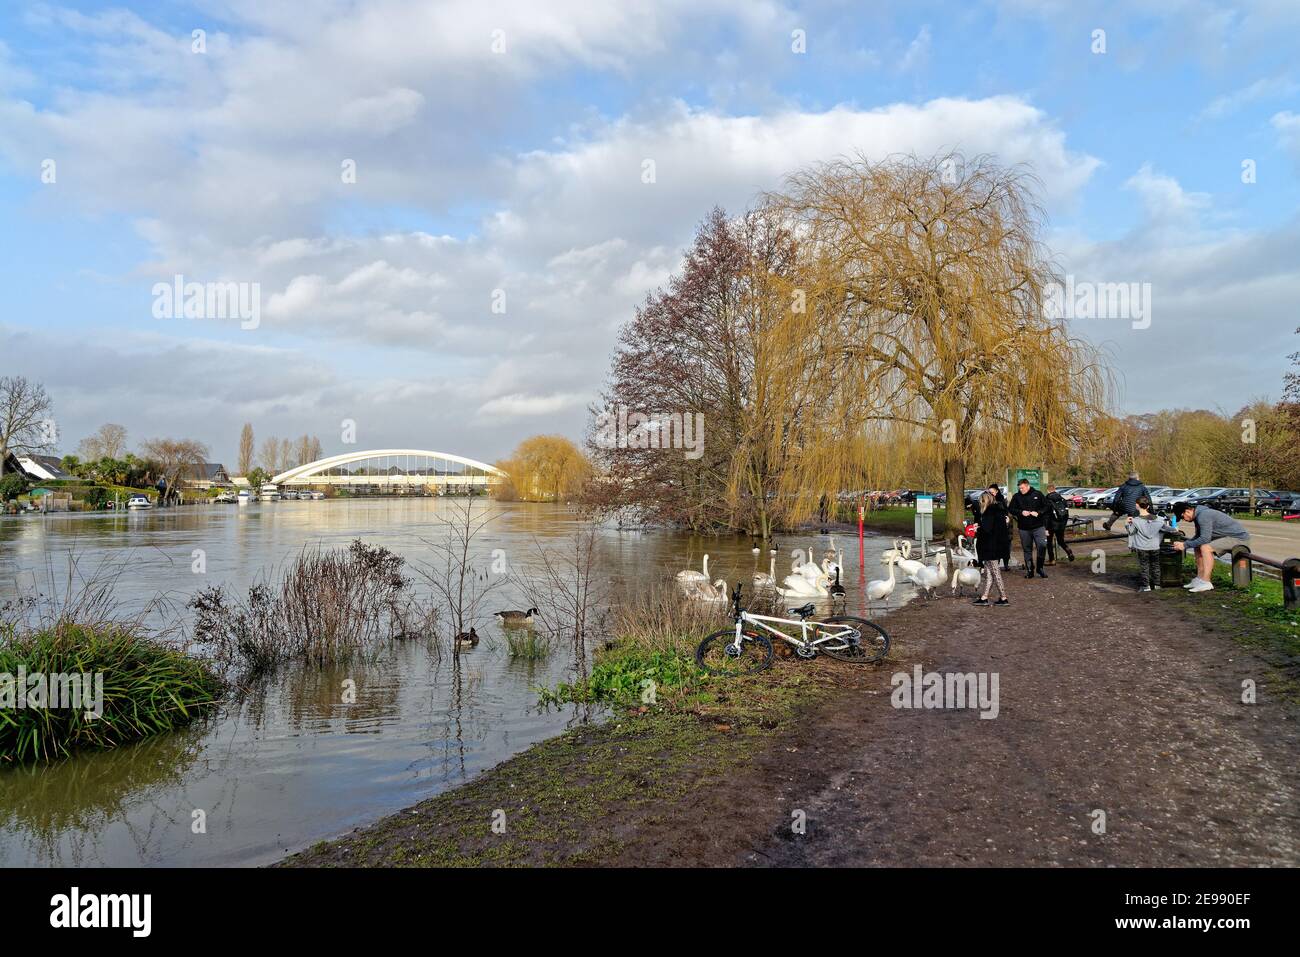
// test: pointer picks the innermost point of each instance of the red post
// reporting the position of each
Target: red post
(862, 555)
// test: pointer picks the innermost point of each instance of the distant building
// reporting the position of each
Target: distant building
(37, 468)
(205, 476)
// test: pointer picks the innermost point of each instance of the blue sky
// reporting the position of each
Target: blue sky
(518, 170)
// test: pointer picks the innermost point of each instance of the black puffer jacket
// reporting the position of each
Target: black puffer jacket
(993, 540)
(1031, 501)
(1125, 501)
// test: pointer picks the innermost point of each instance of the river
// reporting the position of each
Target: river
(290, 764)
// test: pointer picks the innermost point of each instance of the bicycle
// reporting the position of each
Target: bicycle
(746, 650)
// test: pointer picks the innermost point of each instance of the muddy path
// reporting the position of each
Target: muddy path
(1109, 701)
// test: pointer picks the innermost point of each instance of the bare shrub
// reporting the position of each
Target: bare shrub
(326, 607)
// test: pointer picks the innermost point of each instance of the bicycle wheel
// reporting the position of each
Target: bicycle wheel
(866, 644)
(718, 655)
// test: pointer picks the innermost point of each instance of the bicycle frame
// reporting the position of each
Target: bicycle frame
(762, 621)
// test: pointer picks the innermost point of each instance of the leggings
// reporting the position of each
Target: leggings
(992, 574)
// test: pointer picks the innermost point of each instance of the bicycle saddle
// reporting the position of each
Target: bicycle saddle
(805, 611)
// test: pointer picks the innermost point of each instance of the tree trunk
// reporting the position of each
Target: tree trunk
(954, 480)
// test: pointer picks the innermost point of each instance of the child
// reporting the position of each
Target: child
(1144, 530)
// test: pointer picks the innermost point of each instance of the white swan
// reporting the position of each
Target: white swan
(805, 580)
(962, 557)
(686, 579)
(705, 592)
(767, 579)
(965, 577)
(930, 577)
(882, 588)
(901, 549)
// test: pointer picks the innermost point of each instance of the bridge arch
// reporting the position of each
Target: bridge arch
(389, 468)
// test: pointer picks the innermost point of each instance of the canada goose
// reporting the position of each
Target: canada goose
(837, 590)
(513, 617)
(467, 639)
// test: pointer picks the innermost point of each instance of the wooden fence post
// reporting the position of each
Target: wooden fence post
(1290, 588)
(1242, 570)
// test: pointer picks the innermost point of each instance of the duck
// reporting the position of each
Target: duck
(513, 617)
(882, 588)
(467, 639)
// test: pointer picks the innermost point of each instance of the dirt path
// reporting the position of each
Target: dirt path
(1122, 704)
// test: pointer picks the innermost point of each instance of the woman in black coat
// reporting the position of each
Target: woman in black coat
(992, 544)
(1000, 550)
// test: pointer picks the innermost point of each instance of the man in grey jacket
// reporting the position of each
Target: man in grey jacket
(1217, 533)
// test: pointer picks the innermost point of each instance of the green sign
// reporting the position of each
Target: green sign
(1037, 478)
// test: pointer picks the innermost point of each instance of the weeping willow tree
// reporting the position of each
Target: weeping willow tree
(930, 288)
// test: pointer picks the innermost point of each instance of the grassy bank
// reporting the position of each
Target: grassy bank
(1253, 618)
(577, 798)
(146, 689)
(898, 520)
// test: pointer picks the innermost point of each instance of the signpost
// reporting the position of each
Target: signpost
(1037, 479)
(923, 523)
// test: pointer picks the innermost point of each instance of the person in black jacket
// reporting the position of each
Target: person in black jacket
(1030, 509)
(989, 536)
(1000, 543)
(1125, 500)
(1058, 520)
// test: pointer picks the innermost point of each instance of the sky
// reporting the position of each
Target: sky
(444, 211)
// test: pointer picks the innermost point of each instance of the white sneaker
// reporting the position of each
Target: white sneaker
(1202, 586)
(1194, 582)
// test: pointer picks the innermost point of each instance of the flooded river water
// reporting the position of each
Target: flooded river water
(290, 764)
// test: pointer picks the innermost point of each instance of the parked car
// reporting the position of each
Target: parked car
(1163, 501)
(1229, 500)
(1100, 498)
(1267, 503)
(1195, 495)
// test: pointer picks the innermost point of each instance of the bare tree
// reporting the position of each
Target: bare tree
(571, 594)
(172, 459)
(107, 442)
(24, 414)
(460, 581)
(246, 449)
(272, 456)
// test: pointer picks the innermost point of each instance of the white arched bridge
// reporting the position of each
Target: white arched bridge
(393, 470)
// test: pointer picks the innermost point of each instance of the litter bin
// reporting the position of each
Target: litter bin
(1171, 561)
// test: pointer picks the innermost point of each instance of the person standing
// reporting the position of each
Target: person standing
(989, 535)
(1002, 529)
(1058, 521)
(1029, 508)
(1144, 531)
(1125, 500)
